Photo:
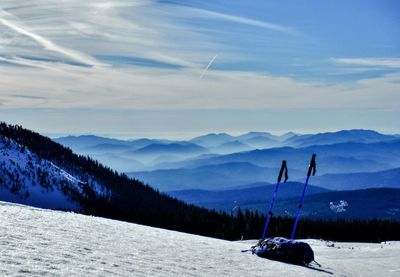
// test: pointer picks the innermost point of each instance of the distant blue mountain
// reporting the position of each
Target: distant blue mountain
(360, 136)
(251, 135)
(271, 137)
(212, 140)
(140, 143)
(210, 177)
(114, 153)
(231, 147)
(338, 164)
(80, 142)
(252, 139)
(149, 154)
(260, 142)
(388, 178)
(118, 162)
(287, 136)
(334, 158)
(165, 153)
(108, 147)
(256, 192)
(171, 148)
(88, 143)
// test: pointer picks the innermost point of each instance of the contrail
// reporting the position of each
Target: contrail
(245, 20)
(49, 45)
(208, 66)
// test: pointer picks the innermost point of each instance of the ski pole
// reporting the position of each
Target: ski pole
(311, 168)
(283, 168)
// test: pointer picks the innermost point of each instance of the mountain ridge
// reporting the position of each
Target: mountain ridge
(388, 178)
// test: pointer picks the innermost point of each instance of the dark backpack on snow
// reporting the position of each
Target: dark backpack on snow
(284, 250)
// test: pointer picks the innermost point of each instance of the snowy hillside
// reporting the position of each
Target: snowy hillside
(28, 179)
(37, 242)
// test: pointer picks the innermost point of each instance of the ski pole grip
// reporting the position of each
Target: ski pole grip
(283, 168)
(312, 167)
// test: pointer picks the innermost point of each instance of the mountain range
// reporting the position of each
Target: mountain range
(349, 159)
(360, 136)
(210, 177)
(150, 154)
(38, 171)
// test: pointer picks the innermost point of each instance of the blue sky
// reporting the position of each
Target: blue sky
(177, 68)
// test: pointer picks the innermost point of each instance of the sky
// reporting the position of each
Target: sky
(186, 67)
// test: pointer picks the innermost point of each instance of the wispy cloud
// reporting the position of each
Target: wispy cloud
(369, 62)
(46, 43)
(34, 97)
(151, 89)
(49, 65)
(82, 30)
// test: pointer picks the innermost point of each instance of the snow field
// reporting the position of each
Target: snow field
(36, 242)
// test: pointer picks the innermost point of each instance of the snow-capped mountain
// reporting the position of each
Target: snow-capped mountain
(27, 178)
(39, 242)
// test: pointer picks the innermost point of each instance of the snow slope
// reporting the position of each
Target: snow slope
(26, 178)
(36, 242)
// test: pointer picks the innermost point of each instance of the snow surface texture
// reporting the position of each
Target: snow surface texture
(28, 179)
(36, 242)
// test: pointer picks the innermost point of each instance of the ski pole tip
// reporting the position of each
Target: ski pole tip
(283, 169)
(312, 166)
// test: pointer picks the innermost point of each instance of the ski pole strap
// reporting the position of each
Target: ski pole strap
(283, 169)
(312, 167)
